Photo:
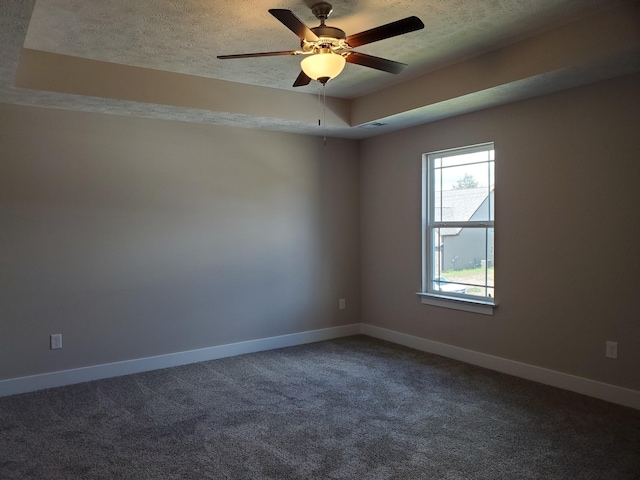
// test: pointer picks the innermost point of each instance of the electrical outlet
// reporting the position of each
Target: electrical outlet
(342, 304)
(56, 341)
(612, 350)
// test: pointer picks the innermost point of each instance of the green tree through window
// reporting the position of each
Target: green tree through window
(466, 182)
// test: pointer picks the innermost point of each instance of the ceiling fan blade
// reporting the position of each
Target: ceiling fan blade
(406, 25)
(294, 24)
(375, 62)
(264, 54)
(302, 80)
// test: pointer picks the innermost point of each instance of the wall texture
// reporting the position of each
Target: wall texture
(137, 237)
(567, 229)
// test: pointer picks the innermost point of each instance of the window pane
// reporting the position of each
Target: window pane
(438, 214)
(462, 196)
(492, 186)
(485, 211)
(461, 192)
(458, 159)
(436, 261)
(463, 261)
(465, 176)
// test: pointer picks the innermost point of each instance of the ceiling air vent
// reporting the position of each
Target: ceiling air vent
(373, 125)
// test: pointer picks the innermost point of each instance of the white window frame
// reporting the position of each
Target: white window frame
(429, 295)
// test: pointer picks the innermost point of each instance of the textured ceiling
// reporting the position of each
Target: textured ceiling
(184, 37)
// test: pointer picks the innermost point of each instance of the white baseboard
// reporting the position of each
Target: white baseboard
(31, 383)
(592, 388)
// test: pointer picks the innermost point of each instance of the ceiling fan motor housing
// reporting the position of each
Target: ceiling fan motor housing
(328, 37)
(329, 33)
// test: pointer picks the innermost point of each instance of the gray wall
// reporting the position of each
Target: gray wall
(137, 237)
(567, 251)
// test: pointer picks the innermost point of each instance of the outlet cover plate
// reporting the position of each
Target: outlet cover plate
(56, 341)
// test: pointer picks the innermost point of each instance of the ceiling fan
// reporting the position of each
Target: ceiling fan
(328, 48)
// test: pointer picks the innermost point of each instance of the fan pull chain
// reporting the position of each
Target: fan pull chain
(324, 113)
(319, 103)
(323, 119)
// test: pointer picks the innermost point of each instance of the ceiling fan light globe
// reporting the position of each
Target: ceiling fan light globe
(323, 65)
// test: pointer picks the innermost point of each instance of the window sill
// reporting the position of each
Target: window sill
(465, 304)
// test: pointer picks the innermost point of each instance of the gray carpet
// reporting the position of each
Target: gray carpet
(353, 408)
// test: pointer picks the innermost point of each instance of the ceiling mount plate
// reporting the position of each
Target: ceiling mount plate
(322, 10)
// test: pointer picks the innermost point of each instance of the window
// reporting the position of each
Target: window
(458, 228)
